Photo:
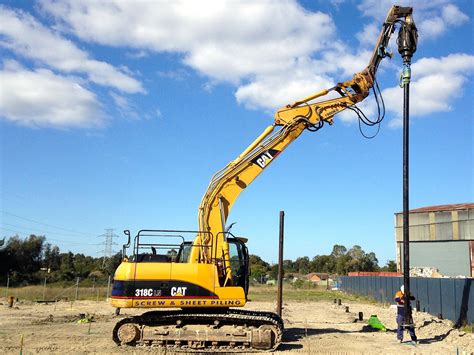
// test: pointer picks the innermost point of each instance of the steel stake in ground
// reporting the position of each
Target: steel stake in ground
(407, 39)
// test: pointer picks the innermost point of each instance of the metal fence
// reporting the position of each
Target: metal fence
(81, 289)
(448, 298)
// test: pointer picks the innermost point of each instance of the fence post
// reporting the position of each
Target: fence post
(280, 263)
(44, 288)
(8, 285)
(77, 288)
(108, 289)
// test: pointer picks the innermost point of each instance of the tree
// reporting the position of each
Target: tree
(258, 267)
(342, 264)
(324, 263)
(360, 260)
(338, 250)
(256, 260)
(113, 263)
(289, 266)
(66, 267)
(274, 272)
(390, 266)
(302, 265)
(25, 261)
(22, 259)
(356, 252)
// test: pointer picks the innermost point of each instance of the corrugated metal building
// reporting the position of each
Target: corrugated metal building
(441, 237)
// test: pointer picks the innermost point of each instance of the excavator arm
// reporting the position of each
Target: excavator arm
(289, 122)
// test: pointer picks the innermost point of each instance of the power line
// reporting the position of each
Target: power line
(47, 239)
(46, 224)
(38, 230)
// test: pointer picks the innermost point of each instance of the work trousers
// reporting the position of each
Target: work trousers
(411, 329)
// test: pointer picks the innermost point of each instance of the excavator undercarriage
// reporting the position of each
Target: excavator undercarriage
(223, 330)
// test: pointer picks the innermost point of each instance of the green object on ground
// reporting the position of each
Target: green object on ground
(85, 318)
(375, 323)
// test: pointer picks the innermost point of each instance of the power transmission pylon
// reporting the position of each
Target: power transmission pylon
(108, 244)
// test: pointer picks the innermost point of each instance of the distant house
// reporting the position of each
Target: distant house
(317, 277)
(294, 276)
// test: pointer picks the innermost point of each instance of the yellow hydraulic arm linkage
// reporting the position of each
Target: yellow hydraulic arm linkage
(290, 121)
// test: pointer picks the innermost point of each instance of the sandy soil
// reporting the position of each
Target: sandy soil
(311, 328)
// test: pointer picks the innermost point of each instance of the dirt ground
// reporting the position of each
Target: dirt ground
(310, 328)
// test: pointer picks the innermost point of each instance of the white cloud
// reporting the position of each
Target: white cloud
(272, 92)
(137, 54)
(124, 107)
(179, 74)
(369, 34)
(337, 3)
(453, 16)
(43, 99)
(378, 8)
(432, 18)
(223, 40)
(23, 34)
(456, 63)
(273, 52)
(342, 61)
(432, 27)
(436, 84)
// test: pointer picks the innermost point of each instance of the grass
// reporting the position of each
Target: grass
(269, 293)
(468, 328)
(54, 292)
(263, 293)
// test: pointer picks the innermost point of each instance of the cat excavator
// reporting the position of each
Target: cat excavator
(197, 287)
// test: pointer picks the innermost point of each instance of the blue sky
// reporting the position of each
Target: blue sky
(117, 114)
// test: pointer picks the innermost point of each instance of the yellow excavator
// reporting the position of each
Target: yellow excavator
(199, 285)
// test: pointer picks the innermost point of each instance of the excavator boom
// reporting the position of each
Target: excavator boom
(289, 122)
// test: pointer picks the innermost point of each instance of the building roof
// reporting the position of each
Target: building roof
(321, 275)
(440, 208)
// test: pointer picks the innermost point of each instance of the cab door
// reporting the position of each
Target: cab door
(239, 263)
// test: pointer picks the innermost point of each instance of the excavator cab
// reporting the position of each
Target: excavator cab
(160, 270)
(239, 262)
(184, 252)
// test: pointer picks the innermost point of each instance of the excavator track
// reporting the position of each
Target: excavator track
(230, 330)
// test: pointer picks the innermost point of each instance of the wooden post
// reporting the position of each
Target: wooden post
(108, 288)
(77, 288)
(280, 263)
(8, 285)
(44, 288)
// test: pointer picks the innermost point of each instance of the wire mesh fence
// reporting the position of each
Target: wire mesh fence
(80, 289)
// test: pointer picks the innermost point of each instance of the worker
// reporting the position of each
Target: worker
(400, 299)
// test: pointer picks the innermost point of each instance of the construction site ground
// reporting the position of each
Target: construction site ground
(311, 327)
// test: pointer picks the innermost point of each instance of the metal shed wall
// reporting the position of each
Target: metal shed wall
(451, 258)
